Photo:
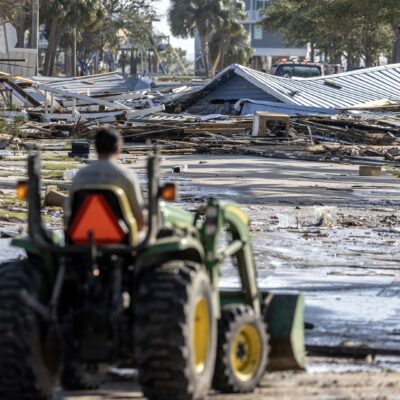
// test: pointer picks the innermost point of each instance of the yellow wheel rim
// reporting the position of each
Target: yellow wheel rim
(246, 353)
(201, 329)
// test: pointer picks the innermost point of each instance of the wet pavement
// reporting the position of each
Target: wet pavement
(346, 265)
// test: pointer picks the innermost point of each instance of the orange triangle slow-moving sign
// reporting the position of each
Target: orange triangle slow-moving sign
(96, 216)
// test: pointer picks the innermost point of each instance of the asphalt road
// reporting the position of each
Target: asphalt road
(347, 381)
(348, 272)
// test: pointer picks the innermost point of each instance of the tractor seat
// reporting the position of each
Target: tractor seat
(101, 213)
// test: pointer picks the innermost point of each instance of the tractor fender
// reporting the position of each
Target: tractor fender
(43, 262)
(169, 249)
(25, 243)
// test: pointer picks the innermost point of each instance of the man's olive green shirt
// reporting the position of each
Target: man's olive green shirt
(108, 172)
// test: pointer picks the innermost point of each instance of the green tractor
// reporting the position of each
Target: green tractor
(105, 294)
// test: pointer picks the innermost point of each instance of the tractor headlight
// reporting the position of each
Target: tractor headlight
(22, 190)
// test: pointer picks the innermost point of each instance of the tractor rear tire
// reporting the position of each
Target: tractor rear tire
(80, 376)
(176, 332)
(242, 350)
(29, 348)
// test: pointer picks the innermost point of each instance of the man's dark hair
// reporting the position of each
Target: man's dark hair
(107, 141)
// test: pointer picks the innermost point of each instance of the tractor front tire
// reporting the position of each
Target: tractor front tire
(242, 350)
(176, 332)
(29, 352)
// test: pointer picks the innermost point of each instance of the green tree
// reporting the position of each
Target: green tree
(137, 19)
(229, 41)
(18, 13)
(387, 12)
(353, 28)
(61, 15)
(131, 19)
(175, 59)
(187, 17)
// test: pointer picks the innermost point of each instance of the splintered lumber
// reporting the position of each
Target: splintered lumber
(20, 92)
(145, 111)
(221, 130)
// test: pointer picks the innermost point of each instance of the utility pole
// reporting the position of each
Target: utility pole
(35, 31)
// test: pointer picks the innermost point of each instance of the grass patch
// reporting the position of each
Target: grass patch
(55, 157)
(15, 158)
(52, 174)
(12, 129)
(44, 157)
(6, 174)
(59, 166)
(11, 202)
(13, 216)
(20, 216)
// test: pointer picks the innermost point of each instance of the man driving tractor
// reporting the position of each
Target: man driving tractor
(97, 295)
(105, 170)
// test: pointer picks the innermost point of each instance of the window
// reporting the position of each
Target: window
(301, 71)
(258, 32)
(261, 4)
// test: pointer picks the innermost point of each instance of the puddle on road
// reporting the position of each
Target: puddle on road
(340, 306)
(7, 252)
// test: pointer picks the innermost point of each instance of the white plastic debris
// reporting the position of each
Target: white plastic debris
(69, 174)
(310, 216)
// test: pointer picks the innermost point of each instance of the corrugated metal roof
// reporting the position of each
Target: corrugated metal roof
(93, 85)
(332, 91)
(250, 106)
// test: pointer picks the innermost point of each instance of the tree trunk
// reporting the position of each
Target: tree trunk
(73, 58)
(396, 43)
(370, 59)
(206, 54)
(21, 35)
(219, 57)
(350, 60)
(56, 31)
(50, 46)
(67, 63)
(53, 57)
(312, 52)
(56, 42)
(222, 63)
(123, 62)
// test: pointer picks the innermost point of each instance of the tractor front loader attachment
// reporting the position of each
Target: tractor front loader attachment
(282, 313)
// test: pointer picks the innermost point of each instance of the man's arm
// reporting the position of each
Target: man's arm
(135, 196)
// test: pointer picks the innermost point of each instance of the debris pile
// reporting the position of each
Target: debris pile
(71, 108)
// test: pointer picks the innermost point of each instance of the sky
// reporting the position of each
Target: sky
(187, 44)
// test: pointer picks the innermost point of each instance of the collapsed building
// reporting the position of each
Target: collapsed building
(241, 90)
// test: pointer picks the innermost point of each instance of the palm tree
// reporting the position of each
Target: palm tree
(229, 41)
(61, 15)
(187, 17)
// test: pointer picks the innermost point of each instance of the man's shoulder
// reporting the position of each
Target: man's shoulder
(117, 165)
(106, 168)
(92, 166)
